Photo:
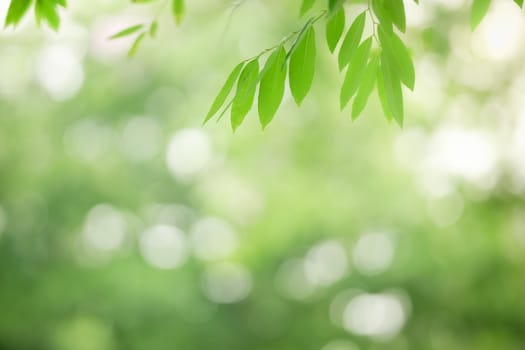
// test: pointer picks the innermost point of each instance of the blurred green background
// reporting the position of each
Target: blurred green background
(125, 224)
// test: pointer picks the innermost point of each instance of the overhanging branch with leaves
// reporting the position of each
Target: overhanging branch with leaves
(378, 59)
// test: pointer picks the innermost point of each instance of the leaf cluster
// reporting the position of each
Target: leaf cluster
(380, 58)
(296, 63)
(368, 60)
(141, 30)
(46, 11)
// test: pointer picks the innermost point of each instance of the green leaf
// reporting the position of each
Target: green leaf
(178, 10)
(299, 36)
(306, 6)
(519, 3)
(224, 92)
(399, 55)
(355, 72)
(243, 100)
(153, 29)
(127, 31)
(396, 11)
(382, 14)
(382, 96)
(46, 10)
(224, 110)
(271, 89)
(334, 6)
(351, 40)
(334, 29)
(302, 65)
(17, 10)
(478, 11)
(135, 46)
(392, 89)
(62, 3)
(366, 87)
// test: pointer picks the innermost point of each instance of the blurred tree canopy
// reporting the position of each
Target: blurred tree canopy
(126, 224)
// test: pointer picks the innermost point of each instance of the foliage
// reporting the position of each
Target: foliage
(329, 218)
(393, 67)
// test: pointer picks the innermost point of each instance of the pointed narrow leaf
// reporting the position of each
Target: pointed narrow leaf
(396, 11)
(306, 6)
(299, 37)
(392, 88)
(179, 9)
(39, 13)
(334, 29)
(478, 11)
(399, 55)
(381, 94)
(153, 29)
(224, 92)
(382, 14)
(302, 65)
(271, 89)
(127, 31)
(243, 100)
(224, 110)
(46, 10)
(62, 3)
(366, 87)
(334, 6)
(135, 46)
(519, 2)
(351, 40)
(17, 10)
(356, 70)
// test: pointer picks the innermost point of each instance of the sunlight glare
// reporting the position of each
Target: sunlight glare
(227, 283)
(380, 316)
(188, 153)
(104, 229)
(213, 239)
(326, 263)
(164, 246)
(59, 71)
(373, 253)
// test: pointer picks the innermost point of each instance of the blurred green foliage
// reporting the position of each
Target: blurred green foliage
(124, 224)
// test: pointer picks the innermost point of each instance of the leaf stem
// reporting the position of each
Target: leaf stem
(291, 35)
(224, 110)
(374, 22)
(160, 10)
